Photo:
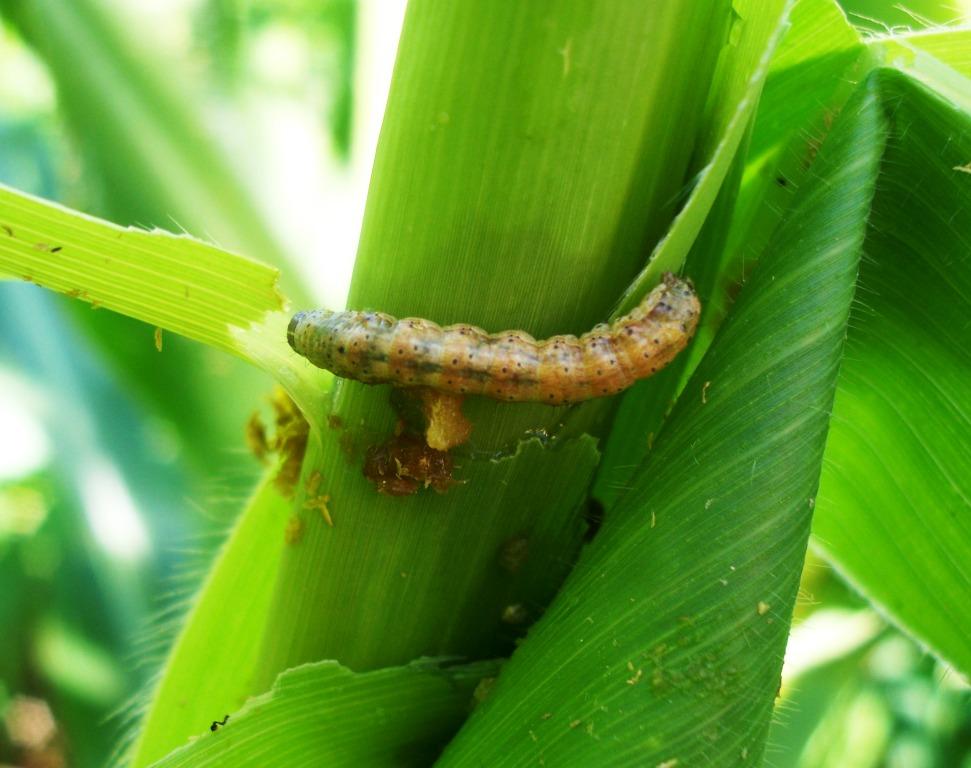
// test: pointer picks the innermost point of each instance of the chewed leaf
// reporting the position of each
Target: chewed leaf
(171, 281)
(325, 714)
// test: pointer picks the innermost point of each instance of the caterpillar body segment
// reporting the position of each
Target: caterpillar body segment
(375, 348)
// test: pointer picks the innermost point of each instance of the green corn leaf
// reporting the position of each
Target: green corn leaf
(893, 508)
(735, 94)
(129, 110)
(806, 89)
(411, 572)
(665, 645)
(172, 281)
(951, 47)
(206, 674)
(939, 59)
(506, 205)
(142, 124)
(325, 714)
(695, 239)
(235, 613)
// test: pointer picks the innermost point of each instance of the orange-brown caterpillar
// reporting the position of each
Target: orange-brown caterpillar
(375, 348)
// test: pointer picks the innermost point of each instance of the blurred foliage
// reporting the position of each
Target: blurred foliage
(83, 626)
(888, 704)
(226, 30)
(88, 628)
(875, 699)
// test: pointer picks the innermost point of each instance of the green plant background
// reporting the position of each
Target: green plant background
(540, 165)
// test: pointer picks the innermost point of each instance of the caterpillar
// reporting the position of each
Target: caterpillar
(375, 348)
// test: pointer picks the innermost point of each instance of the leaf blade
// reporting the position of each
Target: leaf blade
(895, 491)
(688, 590)
(173, 281)
(219, 638)
(325, 714)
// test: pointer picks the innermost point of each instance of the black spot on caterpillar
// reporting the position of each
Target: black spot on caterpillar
(462, 359)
